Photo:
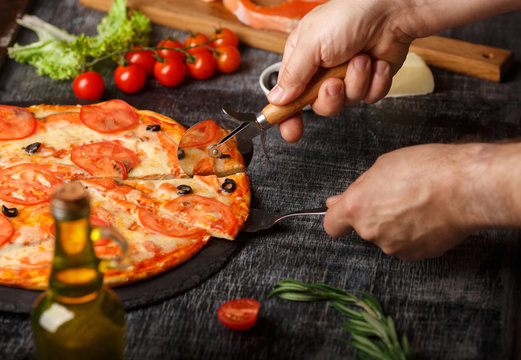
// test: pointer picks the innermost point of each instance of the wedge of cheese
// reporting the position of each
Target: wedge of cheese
(413, 78)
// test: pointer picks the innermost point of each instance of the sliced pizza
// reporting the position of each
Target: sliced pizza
(127, 159)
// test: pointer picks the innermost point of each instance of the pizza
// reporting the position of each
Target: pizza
(128, 161)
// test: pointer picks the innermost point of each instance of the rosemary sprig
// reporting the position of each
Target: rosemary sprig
(372, 333)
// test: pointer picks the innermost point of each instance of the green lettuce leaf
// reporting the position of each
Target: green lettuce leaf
(61, 55)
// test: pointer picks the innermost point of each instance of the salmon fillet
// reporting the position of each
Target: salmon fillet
(283, 17)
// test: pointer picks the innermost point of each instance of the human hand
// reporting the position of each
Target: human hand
(362, 32)
(420, 201)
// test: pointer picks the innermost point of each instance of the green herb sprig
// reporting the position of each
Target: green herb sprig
(372, 333)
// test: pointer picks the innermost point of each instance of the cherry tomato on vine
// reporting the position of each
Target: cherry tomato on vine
(197, 41)
(228, 58)
(171, 72)
(224, 36)
(203, 67)
(164, 53)
(130, 78)
(239, 314)
(88, 85)
(144, 59)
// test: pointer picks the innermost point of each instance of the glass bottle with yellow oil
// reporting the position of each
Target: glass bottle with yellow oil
(77, 318)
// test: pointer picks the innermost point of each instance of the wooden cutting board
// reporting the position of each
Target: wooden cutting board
(199, 16)
(481, 61)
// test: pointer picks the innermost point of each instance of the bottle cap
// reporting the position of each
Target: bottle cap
(70, 202)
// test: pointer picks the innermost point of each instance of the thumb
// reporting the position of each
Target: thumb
(336, 221)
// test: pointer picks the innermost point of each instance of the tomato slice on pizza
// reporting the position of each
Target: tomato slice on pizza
(104, 158)
(200, 134)
(210, 214)
(27, 184)
(15, 123)
(6, 230)
(165, 226)
(108, 117)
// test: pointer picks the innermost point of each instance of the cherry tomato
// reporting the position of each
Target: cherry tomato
(228, 58)
(130, 78)
(171, 72)
(196, 41)
(144, 59)
(88, 85)
(224, 36)
(239, 314)
(203, 67)
(164, 53)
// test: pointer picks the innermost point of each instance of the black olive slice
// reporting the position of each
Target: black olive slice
(184, 189)
(229, 185)
(180, 153)
(32, 148)
(155, 127)
(9, 212)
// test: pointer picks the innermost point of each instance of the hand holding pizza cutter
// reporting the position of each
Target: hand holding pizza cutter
(193, 147)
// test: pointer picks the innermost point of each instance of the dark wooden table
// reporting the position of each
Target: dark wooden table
(463, 305)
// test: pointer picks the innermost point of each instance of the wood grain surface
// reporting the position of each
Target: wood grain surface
(462, 305)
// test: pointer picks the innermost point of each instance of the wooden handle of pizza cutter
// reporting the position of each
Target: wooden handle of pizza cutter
(485, 62)
(275, 114)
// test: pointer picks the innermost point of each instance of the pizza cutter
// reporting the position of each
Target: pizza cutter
(251, 125)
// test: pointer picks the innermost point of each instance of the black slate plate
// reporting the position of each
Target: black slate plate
(207, 262)
(161, 287)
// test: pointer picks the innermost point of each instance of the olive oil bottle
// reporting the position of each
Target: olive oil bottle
(77, 318)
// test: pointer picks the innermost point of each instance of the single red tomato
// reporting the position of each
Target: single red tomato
(224, 36)
(239, 314)
(130, 78)
(171, 72)
(197, 43)
(203, 67)
(168, 43)
(228, 58)
(88, 85)
(144, 59)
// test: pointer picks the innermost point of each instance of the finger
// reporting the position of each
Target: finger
(380, 82)
(296, 70)
(358, 76)
(331, 98)
(288, 48)
(292, 128)
(336, 221)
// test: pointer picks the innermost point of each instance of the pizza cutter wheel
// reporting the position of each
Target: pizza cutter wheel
(249, 126)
